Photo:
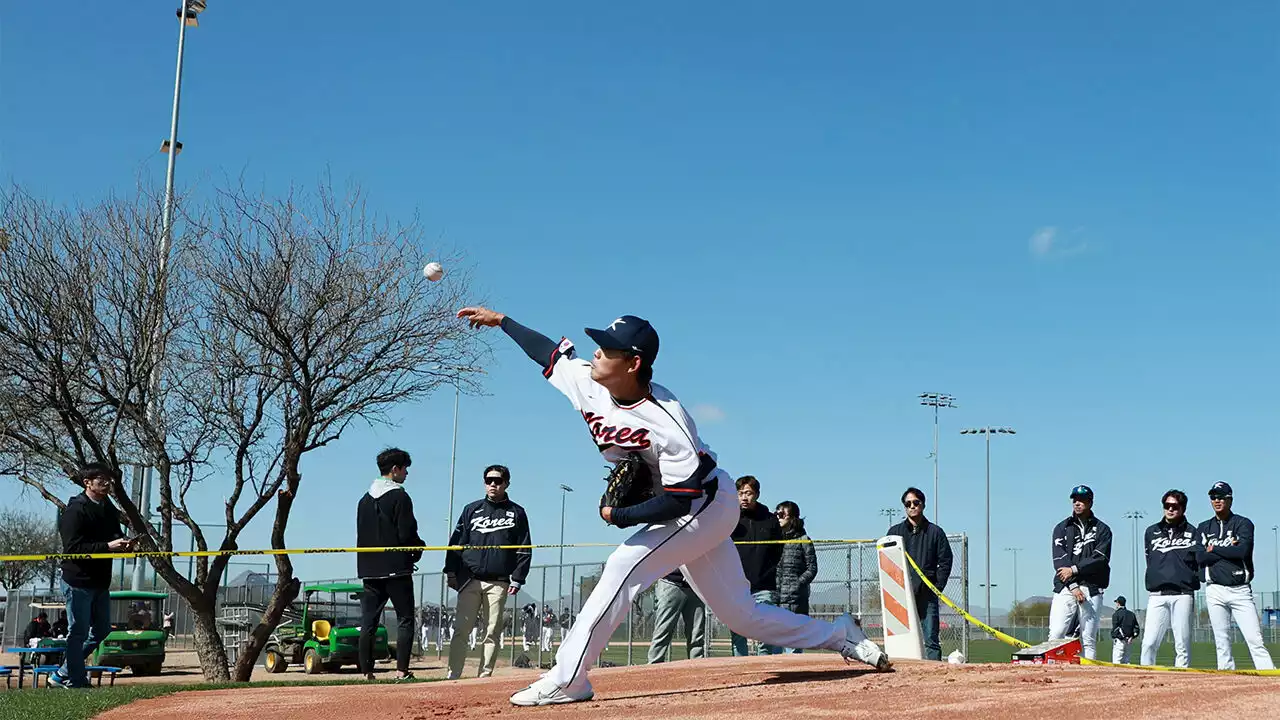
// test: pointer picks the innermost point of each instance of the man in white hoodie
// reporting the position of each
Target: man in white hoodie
(384, 518)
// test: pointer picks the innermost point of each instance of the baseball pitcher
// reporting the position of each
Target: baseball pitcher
(685, 521)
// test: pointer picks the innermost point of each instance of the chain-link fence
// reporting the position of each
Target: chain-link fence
(847, 581)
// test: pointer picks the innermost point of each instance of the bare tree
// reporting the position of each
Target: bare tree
(285, 320)
(25, 534)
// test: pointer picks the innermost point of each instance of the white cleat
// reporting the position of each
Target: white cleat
(857, 646)
(545, 692)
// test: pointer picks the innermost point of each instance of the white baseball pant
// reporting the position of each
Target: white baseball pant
(700, 545)
(1064, 606)
(1120, 651)
(1236, 602)
(1163, 611)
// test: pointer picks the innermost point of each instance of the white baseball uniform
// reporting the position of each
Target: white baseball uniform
(1162, 611)
(658, 428)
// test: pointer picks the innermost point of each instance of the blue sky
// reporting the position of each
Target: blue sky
(1064, 216)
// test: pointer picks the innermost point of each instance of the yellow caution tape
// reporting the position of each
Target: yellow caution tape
(1007, 639)
(334, 551)
(1015, 642)
(1163, 668)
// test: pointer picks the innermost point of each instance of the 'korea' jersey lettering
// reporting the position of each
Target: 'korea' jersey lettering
(657, 427)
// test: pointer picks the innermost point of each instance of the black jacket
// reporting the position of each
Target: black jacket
(759, 562)
(1171, 557)
(35, 629)
(1231, 561)
(1086, 544)
(485, 522)
(386, 521)
(796, 570)
(929, 547)
(1124, 624)
(86, 527)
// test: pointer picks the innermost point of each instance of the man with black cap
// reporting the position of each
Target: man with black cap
(1226, 561)
(686, 524)
(1082, 571)
(1124, 628)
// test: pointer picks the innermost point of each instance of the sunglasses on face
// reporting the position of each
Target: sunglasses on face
(912, 503)
(493, 481)
(1172, 506)
(1217, 498)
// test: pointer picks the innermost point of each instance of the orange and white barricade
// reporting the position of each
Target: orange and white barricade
(902, 636)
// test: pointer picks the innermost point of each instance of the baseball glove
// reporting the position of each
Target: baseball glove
(629, 483)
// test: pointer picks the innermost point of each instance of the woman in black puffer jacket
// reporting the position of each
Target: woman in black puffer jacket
(799, 564)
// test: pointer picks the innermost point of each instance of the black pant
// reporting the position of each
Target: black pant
(399, 590)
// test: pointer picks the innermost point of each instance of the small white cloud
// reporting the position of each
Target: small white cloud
(1042, 240)
(707, 413)
(1047, 243)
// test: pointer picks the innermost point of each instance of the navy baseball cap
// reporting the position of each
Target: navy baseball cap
(1220, 489)
(628, 333)
(1082, 491)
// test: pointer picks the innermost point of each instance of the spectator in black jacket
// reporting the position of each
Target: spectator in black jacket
(1170, 546)
(1124, 628)
(927, 544)
(89, 524)
(1226, 558)
(1081, 553)
(799, 563)
(759, 562)
(384, 518)
(483, 577)
(37, 629)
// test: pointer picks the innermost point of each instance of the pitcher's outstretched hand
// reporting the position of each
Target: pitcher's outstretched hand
(481, 316)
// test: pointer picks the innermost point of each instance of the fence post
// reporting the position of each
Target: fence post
(861, 575)
(964, 570)
(848, 579)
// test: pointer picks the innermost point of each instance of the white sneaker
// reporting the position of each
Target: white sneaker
(545, 692)
(858, 646)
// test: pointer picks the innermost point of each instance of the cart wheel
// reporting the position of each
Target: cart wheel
(274, 661)
(311, 662)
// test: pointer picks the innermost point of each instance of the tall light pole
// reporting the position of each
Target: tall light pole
(187, 15)
(935, 401)
(1015, 552)
(988, 431)
(564, 493)
(1135, 515)
(1275, 531)
(889, 514)
(453, 463)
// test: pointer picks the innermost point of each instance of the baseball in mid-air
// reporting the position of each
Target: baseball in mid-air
(434, 271)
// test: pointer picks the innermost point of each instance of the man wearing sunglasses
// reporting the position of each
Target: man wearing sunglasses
(927, 544)
(1082, 571)
(1172, 580)
(485, 577)
(89, 524)
(1226, 561)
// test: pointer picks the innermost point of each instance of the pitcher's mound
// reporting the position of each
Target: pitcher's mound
(759, 688)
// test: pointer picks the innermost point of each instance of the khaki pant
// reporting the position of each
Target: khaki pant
(478, 600)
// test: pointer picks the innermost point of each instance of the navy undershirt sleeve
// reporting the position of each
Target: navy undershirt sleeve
(540, 348)
(657, 509)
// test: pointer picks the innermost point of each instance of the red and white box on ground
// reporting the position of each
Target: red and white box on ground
(1053, 652)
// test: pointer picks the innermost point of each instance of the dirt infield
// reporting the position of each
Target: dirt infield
(759, 688)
